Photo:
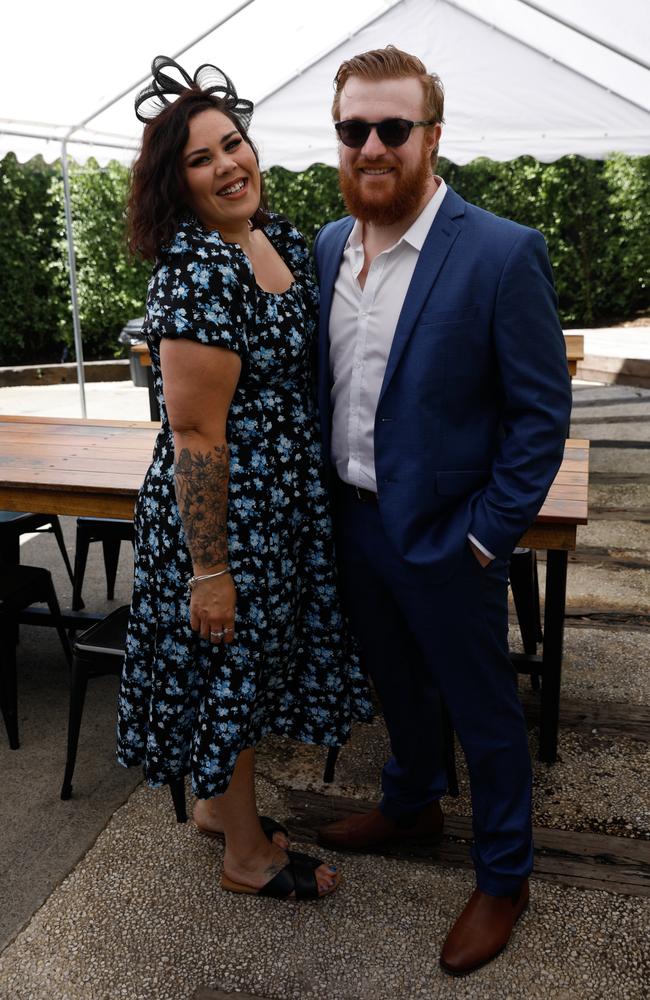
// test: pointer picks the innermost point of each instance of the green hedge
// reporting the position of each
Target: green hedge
(592, 214)
(111, 285)
(31, 307)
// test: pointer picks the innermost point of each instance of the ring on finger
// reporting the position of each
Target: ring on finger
(217, 635)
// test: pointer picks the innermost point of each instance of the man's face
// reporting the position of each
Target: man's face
(383, 184)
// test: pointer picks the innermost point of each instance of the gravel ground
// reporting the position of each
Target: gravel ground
(606, 665)
(635, 462)
(602, 585)
(619, 537)
(609, 400)
(627, 496)
(142, 918)
(596, 431)
(598, 783)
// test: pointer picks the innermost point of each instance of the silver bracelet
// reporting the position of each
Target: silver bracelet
(193, 580)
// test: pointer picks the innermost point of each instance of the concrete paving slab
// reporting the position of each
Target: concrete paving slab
(104, 401)
(626, 498)
(630, 435)
(618, 536)
(608, 459)
(617, 342)
(608, 399)
(601, 585)
(41, 837)
(598, 586)
(604, 665)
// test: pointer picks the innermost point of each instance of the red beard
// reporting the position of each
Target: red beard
(397, 200)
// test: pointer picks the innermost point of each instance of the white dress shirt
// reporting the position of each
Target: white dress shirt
(361, 330)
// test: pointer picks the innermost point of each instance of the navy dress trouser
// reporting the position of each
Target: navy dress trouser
(420, 641)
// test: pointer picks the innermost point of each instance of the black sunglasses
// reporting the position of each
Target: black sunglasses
(392, 131)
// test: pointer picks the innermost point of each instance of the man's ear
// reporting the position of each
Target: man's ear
(432, 137)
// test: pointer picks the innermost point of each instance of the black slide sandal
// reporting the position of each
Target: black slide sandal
(297, 876)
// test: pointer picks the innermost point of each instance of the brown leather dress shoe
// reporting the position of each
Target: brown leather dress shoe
(482, 930)
(368, 831)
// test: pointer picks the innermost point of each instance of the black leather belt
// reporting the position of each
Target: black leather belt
(358, 492)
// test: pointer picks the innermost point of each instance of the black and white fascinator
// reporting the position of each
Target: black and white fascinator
(164, 89)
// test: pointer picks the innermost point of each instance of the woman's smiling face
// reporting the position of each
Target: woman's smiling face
(221, 174)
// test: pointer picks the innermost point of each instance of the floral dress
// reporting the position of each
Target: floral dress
(186, 704)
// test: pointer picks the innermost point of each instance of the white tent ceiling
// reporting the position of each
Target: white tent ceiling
(544, 78)
(517, 79)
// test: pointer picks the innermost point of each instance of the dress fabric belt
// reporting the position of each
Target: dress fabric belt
(358, 492)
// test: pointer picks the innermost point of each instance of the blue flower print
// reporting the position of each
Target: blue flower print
(186, 705)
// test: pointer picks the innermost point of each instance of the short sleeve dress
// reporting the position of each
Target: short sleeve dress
(187, 705)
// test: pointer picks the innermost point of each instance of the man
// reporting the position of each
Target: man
(445, 402)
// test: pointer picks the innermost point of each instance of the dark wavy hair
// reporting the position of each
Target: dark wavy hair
(157, 194)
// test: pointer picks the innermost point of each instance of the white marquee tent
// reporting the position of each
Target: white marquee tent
(542, 78)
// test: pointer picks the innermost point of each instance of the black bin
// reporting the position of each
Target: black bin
(132, 334)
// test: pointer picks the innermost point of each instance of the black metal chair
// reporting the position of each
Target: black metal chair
(524, 585)
(111, 532)
(14, 523)
(97, 652)
(21, 586)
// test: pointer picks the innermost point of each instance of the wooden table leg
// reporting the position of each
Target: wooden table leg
(555, 601)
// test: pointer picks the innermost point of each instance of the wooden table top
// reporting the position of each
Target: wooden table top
(95, 467)
(566, 505)
(73, 466)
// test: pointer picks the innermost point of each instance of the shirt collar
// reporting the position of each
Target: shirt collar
(417, 233)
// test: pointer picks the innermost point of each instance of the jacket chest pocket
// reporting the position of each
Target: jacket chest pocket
(455, 345)
(441, 317)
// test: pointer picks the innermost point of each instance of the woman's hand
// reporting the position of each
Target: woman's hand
(212, 608)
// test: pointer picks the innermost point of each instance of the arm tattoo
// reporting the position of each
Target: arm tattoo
(202, 495)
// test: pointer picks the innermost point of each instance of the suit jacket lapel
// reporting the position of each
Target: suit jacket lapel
(439, 241)
(329, 253)
(329, 261)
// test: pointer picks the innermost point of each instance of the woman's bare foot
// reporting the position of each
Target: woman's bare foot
(257, 870)
(207, 815)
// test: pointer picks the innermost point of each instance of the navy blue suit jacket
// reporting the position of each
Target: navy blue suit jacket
(475, 403)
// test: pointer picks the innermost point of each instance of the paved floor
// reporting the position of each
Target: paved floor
(618, 341)
(105, 897)
(104, 401)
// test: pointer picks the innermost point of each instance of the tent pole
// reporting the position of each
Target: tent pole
(73, 279)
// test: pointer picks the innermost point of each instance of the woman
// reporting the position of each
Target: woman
(233, 504)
